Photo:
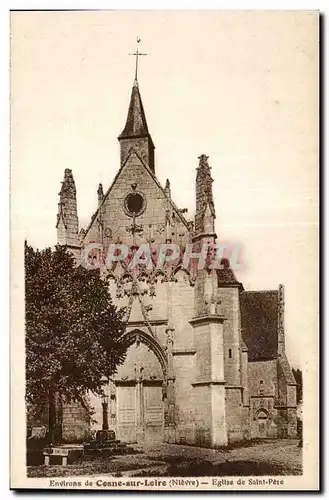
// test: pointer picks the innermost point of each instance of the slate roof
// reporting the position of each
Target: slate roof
(226, 276)
(136, 125)
(259, 323)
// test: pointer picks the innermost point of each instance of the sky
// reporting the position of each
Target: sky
(239, 86)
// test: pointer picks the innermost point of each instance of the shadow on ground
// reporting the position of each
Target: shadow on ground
(197, 468)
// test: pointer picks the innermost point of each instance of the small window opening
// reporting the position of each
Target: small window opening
(230, 353)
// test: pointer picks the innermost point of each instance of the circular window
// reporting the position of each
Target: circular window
(134, 204)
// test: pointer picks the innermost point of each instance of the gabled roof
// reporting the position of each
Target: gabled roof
(136, 125)
(226, 276)
(286, 370)
(259, 323)
(107, 194)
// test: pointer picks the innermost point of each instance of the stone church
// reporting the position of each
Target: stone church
(206, 363)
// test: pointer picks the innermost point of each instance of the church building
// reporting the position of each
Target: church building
(206, 364)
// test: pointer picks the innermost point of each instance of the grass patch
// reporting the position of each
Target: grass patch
(87, 468)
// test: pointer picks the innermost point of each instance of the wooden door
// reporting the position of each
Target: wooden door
(126, 413)
(262, 424)
(153, 412)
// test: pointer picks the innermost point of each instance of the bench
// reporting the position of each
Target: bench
(56, 452)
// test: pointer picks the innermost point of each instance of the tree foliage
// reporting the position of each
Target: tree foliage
(73, 330)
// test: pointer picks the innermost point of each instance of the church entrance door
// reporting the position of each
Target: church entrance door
(139, 397)
(153, 412)
(127, 413)
(140, 413)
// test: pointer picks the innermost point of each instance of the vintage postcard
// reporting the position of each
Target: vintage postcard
(164, 229)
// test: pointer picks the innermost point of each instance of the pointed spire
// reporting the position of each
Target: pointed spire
(281, 332)
(136, 125)
(67, 217)
(135, 133)
(205, 208)
(167, 188)
(68, 184)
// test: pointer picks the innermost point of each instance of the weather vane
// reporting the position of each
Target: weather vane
(137, 54)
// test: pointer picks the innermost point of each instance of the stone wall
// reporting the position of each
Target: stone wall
(263, 396)
(236, 426)
(184, 370)
(230, 308)
(182, 297)
(262, 376)
(211, 382)
(202, 415)
(144, 147)
(152, 220)
(75, 427)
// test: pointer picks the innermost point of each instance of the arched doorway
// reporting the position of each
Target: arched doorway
(262, 424)
(139, 383)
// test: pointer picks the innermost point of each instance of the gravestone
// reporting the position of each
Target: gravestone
(39, 431)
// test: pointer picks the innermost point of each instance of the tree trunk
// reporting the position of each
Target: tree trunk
(52, 418)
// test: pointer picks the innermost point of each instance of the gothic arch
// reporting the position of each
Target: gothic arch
(262, 423)
(262, 413)
(179, 268)
(159, 273)
(126, 276)
(152, 343)
(112, 276)
(143, 276)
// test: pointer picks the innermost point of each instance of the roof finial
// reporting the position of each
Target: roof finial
(100, 193)
(137, 54)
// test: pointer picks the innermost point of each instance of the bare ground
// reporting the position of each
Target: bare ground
(275, 457)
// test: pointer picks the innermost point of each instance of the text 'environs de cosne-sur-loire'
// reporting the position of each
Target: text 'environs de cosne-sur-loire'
(165, 483)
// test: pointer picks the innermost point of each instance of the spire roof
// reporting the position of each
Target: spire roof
(68, 184)
(136, 125)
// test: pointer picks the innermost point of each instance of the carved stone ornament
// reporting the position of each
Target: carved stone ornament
(108, 232)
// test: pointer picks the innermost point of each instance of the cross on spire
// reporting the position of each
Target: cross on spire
(137, 54)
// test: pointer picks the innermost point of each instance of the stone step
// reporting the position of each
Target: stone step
(100, 449)
(107, 442)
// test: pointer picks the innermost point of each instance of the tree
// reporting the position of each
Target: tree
(73, 330)
(297, 373)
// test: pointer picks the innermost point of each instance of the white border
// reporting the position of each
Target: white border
(321, 5)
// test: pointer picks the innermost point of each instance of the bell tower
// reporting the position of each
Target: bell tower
(135, 133)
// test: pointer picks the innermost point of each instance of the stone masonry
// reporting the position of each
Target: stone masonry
(206, 363)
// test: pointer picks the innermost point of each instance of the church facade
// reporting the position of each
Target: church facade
(206, 363)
